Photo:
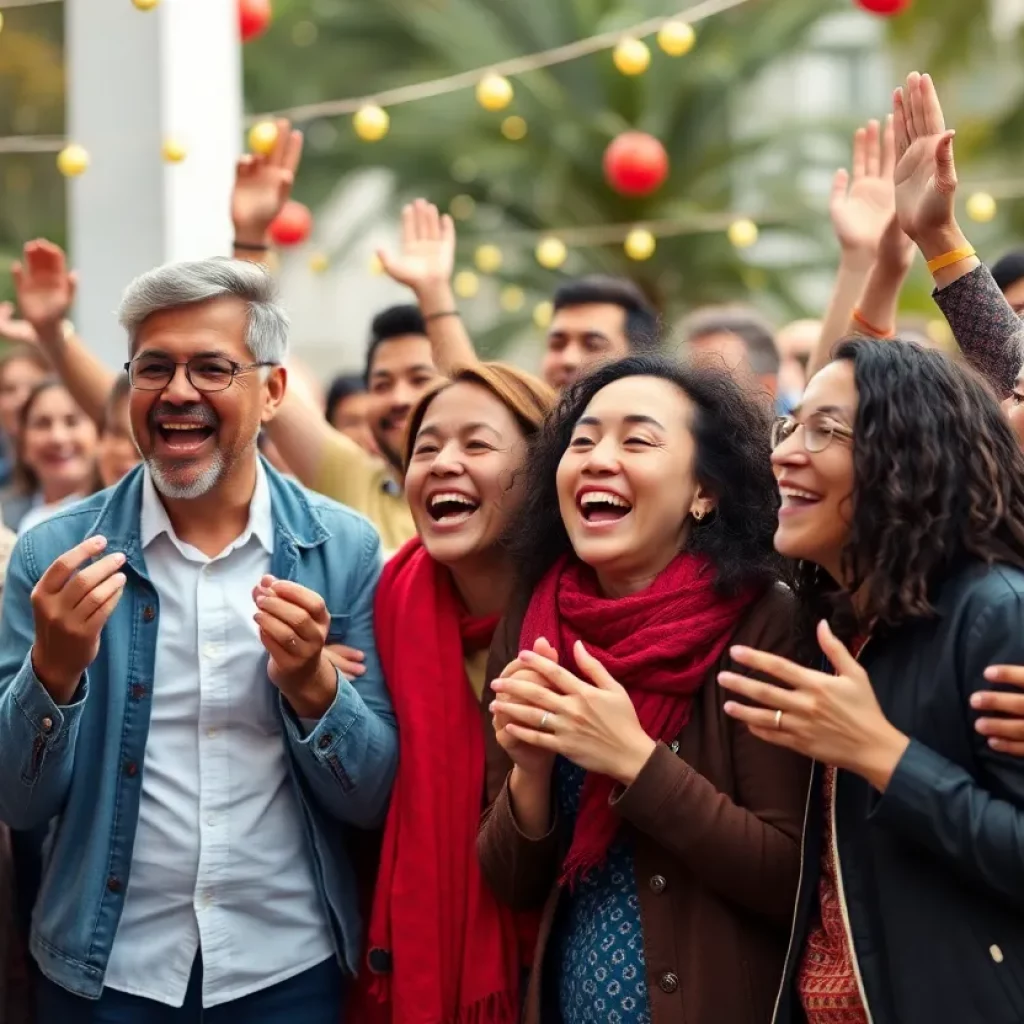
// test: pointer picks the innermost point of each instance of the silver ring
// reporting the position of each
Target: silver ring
(778, 719)
(543, 721)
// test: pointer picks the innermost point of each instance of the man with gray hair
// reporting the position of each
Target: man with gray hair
(168, 699)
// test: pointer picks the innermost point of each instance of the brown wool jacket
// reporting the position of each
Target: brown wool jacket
(716, 818)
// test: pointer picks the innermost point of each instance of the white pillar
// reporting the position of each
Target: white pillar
(134, 79)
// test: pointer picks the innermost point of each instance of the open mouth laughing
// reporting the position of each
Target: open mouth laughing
(451, 508)
(599, 507)
(796, 499)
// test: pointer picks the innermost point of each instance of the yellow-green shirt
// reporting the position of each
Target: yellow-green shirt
(367, 485)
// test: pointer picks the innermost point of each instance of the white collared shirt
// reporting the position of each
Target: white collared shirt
(220, 861)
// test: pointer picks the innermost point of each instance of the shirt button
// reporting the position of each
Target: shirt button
(210, 650)
(148, 613)
(47, 724)
(657, 884)
(325, 741)
(996, 953)
(211, 819)
(668, 982)
(211, 732)
(207, 899)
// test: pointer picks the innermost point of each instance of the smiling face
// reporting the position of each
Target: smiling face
(194, 440)
(462, 483)
(18, 376)
(580, 337)
(401, 372)
(626, 486)
(817, 487)
(1014, 408)
(58, 444)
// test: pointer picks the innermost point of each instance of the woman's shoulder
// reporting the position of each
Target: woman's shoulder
(976, 584)
(769, 624)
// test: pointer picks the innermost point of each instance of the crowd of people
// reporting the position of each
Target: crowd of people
(682, 681)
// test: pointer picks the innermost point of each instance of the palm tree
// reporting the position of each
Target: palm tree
(551, 179)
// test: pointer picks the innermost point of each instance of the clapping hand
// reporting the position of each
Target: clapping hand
(427, 256)
(593, 724)
(293, 622)
(45, 287)
(531, 761)
(835, 719)
(263, 184)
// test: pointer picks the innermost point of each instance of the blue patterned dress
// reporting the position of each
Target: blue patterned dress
(598, 940)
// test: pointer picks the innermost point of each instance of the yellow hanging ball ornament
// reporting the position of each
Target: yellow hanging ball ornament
(263, 138)
(631, 56)
(639, 244)
(514, 128)
(466, 284)
(488, 259)
(371, 123)
(551, 253)
(676, 38)
(173, 151)
(319, 262)
(542, 314)
(146, 5)
(512, 298)
(742, 233)
(981, 207)
(494, 92)
(72, 160)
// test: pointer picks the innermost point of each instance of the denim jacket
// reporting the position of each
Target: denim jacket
(69, 764)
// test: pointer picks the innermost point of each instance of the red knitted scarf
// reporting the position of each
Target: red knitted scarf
(659, 644)
(453, 947)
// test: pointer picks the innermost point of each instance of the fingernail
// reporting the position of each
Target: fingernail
(359, 670)
(990, 673)
(528, 656)
(119, 558)
(120, 579)
(99, 543)
(738, 652)
(977, 701)
(995, 744)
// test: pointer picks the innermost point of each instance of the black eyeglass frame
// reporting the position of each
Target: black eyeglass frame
(236, 369)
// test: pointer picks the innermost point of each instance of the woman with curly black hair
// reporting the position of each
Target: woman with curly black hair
(659, 838)
(903, 500)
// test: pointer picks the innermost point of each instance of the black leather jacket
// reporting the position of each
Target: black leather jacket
(932, 871)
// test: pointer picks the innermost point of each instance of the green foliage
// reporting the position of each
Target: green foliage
(552, 179)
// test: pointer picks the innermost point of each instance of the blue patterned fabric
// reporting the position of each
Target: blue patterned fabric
(599, 938)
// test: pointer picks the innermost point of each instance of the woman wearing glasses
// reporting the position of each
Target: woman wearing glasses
(903, 502)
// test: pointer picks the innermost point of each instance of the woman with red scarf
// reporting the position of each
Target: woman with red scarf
(442, 950)
(661, 840)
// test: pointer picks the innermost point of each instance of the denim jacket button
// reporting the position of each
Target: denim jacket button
(47, 724)
(114, 884)
(148, 613)
(131, 769)
(138, 691)
(325, 741)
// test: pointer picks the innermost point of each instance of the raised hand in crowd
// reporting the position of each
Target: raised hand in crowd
(424, 263)
(45, 289)
(294, 623)
(14, 330)
(263, 184)
(71, 604)
(1002, 723)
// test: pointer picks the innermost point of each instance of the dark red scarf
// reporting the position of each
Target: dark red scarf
(659, 644)
(453, 947)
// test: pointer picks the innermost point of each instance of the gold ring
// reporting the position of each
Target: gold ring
(543, 721)
(778, 719)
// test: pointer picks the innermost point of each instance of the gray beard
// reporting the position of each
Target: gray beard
(201, 485)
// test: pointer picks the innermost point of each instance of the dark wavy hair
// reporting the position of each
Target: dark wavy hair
(731, 429)
(938, 476)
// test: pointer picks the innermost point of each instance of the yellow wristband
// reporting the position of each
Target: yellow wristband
(947, 259)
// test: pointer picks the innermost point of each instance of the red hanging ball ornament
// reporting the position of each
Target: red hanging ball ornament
(635, 164)
(253, 18)
(886, 8)
(292, 225)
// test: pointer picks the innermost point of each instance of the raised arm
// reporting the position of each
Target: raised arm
(46, 290)
(263, 184)
(425, 265)
(983, 322)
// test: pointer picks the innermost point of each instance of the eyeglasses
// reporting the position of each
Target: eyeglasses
(204, 373)
(818, 434)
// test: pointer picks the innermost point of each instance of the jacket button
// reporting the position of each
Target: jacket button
(325, 741)
(148, 613)
(674, 746)
(114, 884)
(668, 982)
(996, 953)
(131, 769)
(379, 960)
(138, 691)
(47, 724)
(657, 884)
